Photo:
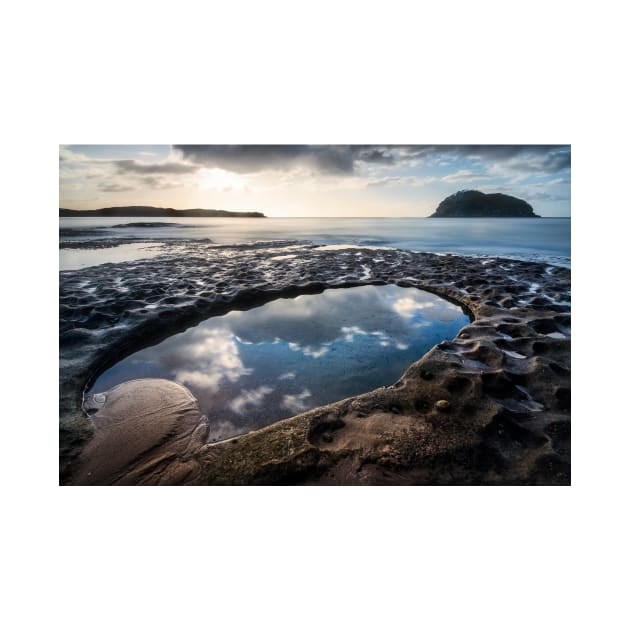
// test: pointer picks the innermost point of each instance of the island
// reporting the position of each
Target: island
(151, 211)
(473, 203)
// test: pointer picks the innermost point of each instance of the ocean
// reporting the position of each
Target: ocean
(541, 240)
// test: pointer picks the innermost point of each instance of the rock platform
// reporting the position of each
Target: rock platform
(492, 406)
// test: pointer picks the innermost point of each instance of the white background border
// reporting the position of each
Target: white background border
(326, 72)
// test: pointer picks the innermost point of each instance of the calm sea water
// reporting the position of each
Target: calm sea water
(547, 240)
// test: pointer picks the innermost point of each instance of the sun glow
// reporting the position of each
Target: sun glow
(221, 181)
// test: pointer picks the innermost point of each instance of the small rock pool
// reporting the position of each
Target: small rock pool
(250, 368)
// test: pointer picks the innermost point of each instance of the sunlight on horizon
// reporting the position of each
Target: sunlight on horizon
(310, 181)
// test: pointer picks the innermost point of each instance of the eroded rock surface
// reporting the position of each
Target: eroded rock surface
(505, 377)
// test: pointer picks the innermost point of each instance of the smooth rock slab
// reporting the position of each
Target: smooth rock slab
(144, 430)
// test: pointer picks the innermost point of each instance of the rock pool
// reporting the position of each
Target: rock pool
(250, 368)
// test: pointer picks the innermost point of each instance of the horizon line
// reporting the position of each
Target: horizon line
(271, 216)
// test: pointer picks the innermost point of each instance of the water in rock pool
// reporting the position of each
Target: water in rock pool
(250, 368)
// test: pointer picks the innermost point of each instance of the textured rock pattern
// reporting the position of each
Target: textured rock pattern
(505, 377)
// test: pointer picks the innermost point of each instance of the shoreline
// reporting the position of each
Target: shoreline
(495, 374)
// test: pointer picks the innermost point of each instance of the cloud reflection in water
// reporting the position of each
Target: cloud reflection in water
(248, 368)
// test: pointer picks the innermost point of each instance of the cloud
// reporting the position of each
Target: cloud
(250, 398)
(121, 175)
(407, 307)
(105, 187)
(410, 307)
(67, 156)
(554, 190)
(378, 155)
(497, 152)
(309, 351)
(344, 159)
(160, 183)
(406, 180)
(153, 168)
(296, 402)
(463, 175)
(215, 355)
(546, 196)
(499, 159)
(325, 159)
(556, 160)
(310, 324)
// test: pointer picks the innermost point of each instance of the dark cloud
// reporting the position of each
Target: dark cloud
(557, 160)
(158, 168)
(327, 159)
(160, 183)
(487, 151)
(342, 159)
(529, 157)
(380, 156)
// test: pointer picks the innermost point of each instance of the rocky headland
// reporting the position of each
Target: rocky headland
(151, 211)
(475, 204)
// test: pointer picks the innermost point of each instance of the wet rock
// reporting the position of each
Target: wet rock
(145, 430)
(203, 280)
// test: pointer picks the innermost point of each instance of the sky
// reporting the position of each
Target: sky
(311, 180)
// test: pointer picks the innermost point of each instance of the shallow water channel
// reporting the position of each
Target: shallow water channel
(250, 368)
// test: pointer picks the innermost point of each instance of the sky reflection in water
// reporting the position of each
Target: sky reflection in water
(250, 368)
